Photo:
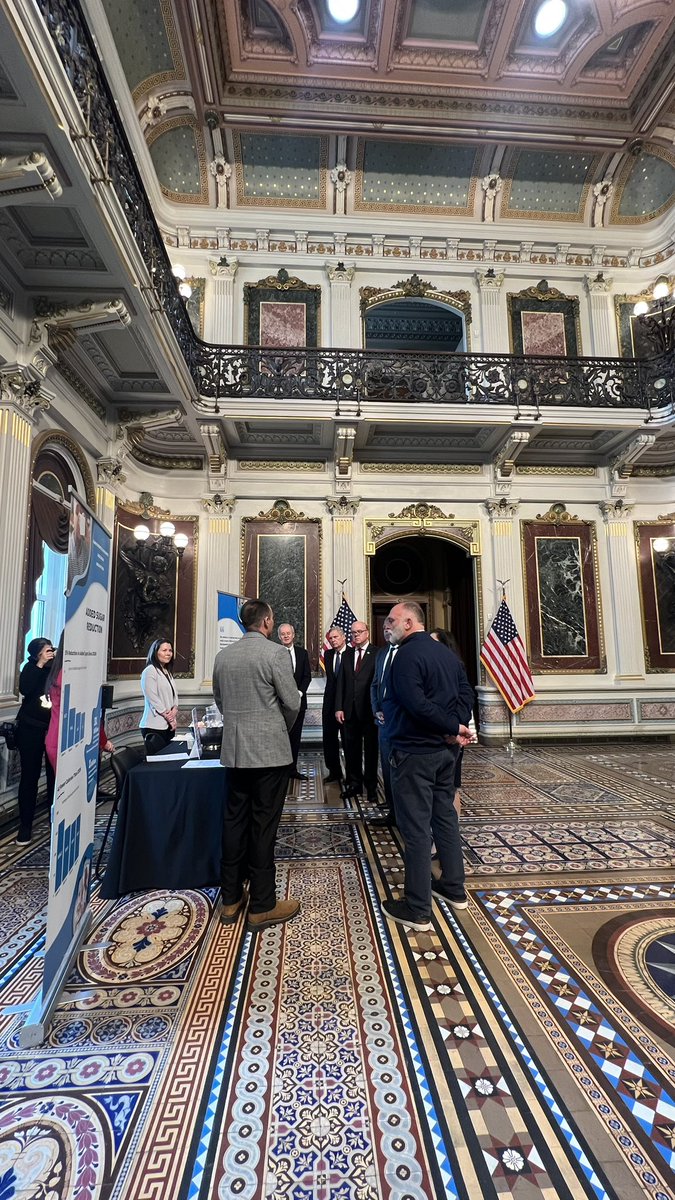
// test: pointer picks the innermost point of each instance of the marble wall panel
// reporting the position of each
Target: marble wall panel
(281, 563)
(564, 620)
(282, 324)
(282, 311)
(656, 562)
(544, 323)
(543, 333)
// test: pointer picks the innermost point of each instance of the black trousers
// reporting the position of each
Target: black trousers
(253, 807)
(331, 743)
(295, 736)
(31, 746)
(361, 750)
(385, 751)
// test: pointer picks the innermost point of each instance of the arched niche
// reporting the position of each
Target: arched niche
(414, 315)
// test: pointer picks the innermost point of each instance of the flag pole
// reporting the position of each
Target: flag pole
(510, 745)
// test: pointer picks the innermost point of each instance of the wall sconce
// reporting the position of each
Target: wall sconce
(184, 288)
(657, 325)
(166, 537)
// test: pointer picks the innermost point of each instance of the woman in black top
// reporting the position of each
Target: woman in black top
(33, 722)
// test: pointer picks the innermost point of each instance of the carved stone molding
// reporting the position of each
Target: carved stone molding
(423, 511)
(282, 512)
(109, 470)
(23, 392)
(380, 530)
(504, 460)
(340, 506)
(87, 314)
(490, 280)
(557, 515)
(145, 507)
(339, 273)
(621, 466)
(340, 177)
(37, 172)
(598, 285)
(667, 516)
(418, 289)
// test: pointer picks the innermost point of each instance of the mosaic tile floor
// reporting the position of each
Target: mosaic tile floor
(525, 1048)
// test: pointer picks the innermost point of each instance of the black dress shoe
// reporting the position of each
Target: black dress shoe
(298, 775)
(372, 798)
(382, 822)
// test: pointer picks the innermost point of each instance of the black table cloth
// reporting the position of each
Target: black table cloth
(168, 831)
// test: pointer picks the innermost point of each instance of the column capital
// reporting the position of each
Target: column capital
(339, 273)
(109, 471)
(222, 268)
(490, 280)
(501, 510)
(19, 391)
(598, 285)
(616, 510)
(340, 506)
(219, 505)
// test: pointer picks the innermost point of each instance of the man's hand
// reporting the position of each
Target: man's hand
(379, 718)
(340, 717)
(463, 737)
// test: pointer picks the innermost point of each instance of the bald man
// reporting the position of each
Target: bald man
(303, 677)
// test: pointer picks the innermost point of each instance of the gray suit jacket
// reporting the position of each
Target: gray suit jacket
(254, 688)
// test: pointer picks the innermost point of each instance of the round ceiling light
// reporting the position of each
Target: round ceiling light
(343, 10)
(550, 17)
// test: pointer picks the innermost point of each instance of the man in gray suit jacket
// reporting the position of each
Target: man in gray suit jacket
(254, 688)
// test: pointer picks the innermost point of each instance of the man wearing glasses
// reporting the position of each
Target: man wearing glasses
(354, 713)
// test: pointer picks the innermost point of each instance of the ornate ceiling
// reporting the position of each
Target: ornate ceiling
(416, 104)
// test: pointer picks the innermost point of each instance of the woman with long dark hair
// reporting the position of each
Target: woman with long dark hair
(158, 722)
(33, 722)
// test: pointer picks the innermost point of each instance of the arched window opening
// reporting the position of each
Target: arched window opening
(47, 559)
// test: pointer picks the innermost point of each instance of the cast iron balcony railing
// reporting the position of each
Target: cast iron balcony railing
(338, 377)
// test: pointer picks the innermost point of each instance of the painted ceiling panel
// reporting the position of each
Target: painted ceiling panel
(417, 174)
(446, 20)
(548, 182)
(650, 187)
(618, 51)
(176, 158)
(280, 168)
(141, 38)
(52, 226)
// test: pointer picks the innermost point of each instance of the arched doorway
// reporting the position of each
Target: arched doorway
(408, 323)
(439, 575)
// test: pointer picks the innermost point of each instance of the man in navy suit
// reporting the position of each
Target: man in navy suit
(378, 692)
(355, 715)
(303, 677)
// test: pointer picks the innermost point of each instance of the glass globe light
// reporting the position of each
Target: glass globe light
(167, 529)
(640, 308)
(180, 541)
(141, 533)
(661, 288)
(178, 271)
(185, 290)
(661, 544)
(550, 17)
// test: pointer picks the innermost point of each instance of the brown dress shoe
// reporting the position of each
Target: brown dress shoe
(230, 912)
(282, 911)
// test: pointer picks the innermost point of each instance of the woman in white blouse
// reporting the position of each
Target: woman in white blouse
(158, 723)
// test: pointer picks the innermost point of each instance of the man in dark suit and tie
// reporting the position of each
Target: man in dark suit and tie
(303, 677)
(378, 691)
(355, 715)
(331, 730)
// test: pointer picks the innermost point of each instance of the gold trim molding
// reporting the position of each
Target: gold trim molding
(377, 531)
(420, 468)
(558, 515)
(255, 464)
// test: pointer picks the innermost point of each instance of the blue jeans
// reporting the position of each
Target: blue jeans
(424, 790)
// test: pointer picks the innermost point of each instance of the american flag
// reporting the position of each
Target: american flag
(503, 656)
(343, 619)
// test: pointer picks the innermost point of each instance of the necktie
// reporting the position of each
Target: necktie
(337, 662)
(357, 664)
(385, 670)
(292, 654)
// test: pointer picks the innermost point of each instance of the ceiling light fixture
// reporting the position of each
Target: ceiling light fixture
(550, 17)
(178, 271)
(343, 10)
(657, 320)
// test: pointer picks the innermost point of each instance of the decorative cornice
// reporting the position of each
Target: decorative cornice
(554, 470)
(369, 468)
(281, 512)
(277, 465)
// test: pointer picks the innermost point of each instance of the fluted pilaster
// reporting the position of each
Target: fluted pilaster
(494, 332)
(219, 313)
(601, 312)
(16, 434)
(342, 332)
(628, 649)
(216, 549)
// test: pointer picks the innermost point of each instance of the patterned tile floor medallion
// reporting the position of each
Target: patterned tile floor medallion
(524, 1048)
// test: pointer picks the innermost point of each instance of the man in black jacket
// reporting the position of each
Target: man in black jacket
(303, 677)
(355, 715)
(427, 703)
(378, 691)
(331, 730)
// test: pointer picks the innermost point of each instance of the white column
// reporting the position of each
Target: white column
(219, 311)
(628, 645)
(342, 317)
(216, 545)
(344, 533)
(494, 338)
(601, 316)
(16, 435)
(505, 547)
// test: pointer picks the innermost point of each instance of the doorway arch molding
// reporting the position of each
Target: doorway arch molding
(426, 520)
(417, 289)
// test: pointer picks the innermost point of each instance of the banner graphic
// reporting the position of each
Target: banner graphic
(230, 628)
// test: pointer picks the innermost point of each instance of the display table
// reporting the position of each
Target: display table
(169, 829)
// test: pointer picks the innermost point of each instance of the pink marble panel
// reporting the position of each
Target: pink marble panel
(282, 324)
(657, 710)
(573, 714)
(543, 333)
